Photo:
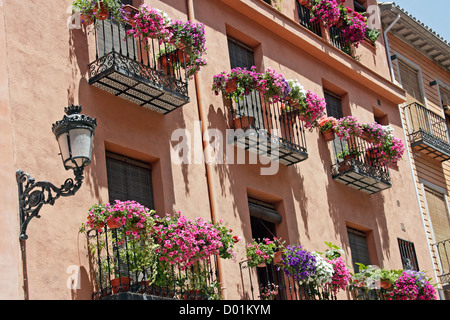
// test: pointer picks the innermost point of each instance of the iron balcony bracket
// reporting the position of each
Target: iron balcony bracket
(33, 195)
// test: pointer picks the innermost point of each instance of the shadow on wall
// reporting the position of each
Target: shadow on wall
(351, 207)
(79, 59)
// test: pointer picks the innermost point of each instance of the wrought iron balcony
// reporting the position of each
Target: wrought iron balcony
(263, 127)
(358, 166)
(270, 283)
(121, 272)
(428, 132)
(142, 71)
(337, 39)
(304, 17)
(442, 251)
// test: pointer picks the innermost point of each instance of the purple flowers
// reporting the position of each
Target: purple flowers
(298, 263)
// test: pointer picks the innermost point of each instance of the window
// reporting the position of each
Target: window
(360, 6)
(334, 105)
(129, 179)
(437, 209)
(240, 55)
(410, 81)
(334, 109)
(263, 219)
(408, 254)
(358, 245)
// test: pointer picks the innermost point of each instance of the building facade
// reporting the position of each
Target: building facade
(420, 64)
(154, 125)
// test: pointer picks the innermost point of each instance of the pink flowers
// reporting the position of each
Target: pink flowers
(314, 110)
(327, 11)
(128, 214)
(151, 23)
(347, 126)
(412, 285)
(341, 276)
(356, 29)
(184, 242)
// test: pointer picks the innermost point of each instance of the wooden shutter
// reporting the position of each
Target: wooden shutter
(410, 82)
(437, 209)
(129, 179)
(358, 245)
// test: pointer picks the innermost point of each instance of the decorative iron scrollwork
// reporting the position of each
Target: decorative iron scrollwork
(33, 195)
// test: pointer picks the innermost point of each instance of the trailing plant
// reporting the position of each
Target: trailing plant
(326, 123)
(190, 36)
(262, 251)
(298, 263)
(355, 29)
(88, 8)
(326, 11)
(412, 285)
(347, 126)
(151, 23)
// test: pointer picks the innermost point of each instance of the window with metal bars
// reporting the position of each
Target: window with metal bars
(129, 179)
(408, 255)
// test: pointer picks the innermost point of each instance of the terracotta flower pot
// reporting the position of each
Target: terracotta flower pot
(113, 224)
(244, 122)
(121, 284)
(328, 135)
(366, 136)
(100, 11)
(86, 19)
(231, 86)
(385, 284)
(305, 3)
(277, 257)
(183, 57)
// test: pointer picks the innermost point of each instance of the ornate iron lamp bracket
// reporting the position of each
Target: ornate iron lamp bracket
(33, 195)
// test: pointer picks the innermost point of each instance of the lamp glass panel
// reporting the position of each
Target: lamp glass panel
(81, 145)
(64, 147)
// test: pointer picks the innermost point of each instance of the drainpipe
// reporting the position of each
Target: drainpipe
(199, 95)
(388, 49)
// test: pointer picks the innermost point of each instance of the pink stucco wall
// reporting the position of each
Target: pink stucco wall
(46, 67)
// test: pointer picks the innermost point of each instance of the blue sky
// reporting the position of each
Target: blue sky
(434, 14)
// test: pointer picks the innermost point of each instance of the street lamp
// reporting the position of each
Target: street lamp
(74, 134)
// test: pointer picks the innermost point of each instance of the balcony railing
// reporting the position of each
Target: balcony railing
(442, 250)
(269, 283)
(337, 39)
(121, 272)
(142, 71)
(304, 17)
(357, 165)
(268, 130)
(428, 132)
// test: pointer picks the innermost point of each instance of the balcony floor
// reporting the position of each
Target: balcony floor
(361, 176)
(137, 83)
(430, 146)
(275, 148)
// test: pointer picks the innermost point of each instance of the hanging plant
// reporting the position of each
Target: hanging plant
(326, 11)
(151, 23)
(190, 37)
